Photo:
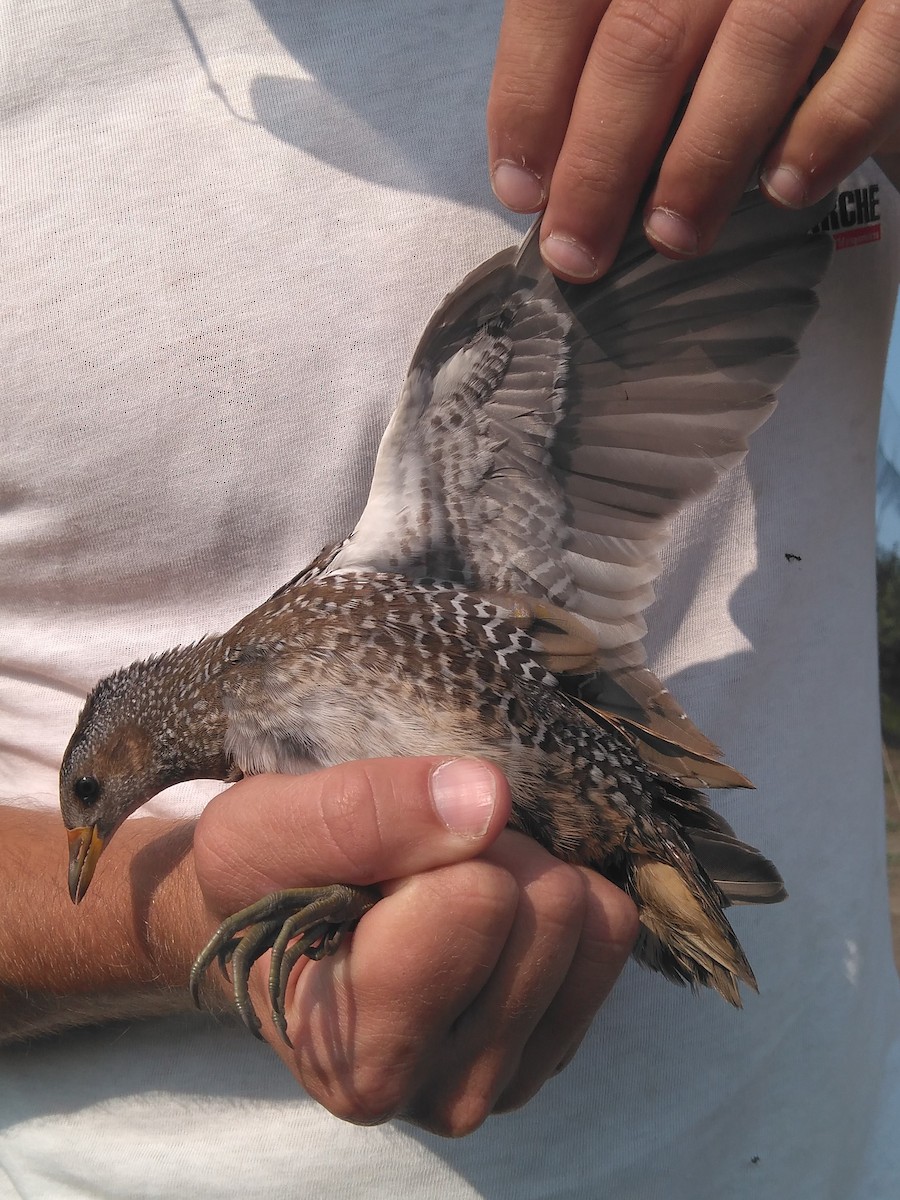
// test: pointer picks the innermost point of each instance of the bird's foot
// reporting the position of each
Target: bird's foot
(290, 923)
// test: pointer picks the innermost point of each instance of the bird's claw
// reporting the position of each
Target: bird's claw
(290, 923)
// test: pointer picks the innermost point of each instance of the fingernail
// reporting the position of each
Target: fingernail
(565, 255)
(463, 792)
(671, 230)
(785, 185)
(517, 187)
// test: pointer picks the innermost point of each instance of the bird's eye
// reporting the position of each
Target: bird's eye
(87, 789)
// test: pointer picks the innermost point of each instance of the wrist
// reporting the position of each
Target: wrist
(125, 952)
(157, 899)
(172, 922)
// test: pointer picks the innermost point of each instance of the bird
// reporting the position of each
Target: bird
(490, 600)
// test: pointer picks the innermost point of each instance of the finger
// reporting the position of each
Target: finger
(368, 1023)
(852, 111)
(608, 934)
(360, 822)
(758, 63)
(540, 54)
(844, 24)
(637, 70)
(483, 1047)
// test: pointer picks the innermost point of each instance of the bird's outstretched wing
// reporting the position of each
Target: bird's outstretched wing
(548, 432)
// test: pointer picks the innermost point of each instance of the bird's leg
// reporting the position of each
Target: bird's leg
(318, 917)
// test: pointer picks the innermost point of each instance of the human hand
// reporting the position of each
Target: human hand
(584, 94)
(463, 990)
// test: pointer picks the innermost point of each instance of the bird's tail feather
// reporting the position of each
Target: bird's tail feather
(682, 874)
(739, 871)
(684, 933)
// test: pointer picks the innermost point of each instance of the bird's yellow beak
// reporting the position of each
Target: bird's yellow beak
(85, 847)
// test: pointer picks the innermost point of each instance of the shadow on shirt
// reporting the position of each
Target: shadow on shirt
(404, 133)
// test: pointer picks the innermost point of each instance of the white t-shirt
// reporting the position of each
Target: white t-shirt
(224, 225)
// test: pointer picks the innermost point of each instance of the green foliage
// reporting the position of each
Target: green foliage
(888, 580)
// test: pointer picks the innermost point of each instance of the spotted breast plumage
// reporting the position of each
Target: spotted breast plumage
(491, 596)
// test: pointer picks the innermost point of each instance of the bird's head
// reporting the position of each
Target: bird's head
(143, 729)
(104, 779)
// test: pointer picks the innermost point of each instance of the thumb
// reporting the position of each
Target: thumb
(360, 822)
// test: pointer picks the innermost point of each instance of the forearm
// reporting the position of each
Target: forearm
(124, 952)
